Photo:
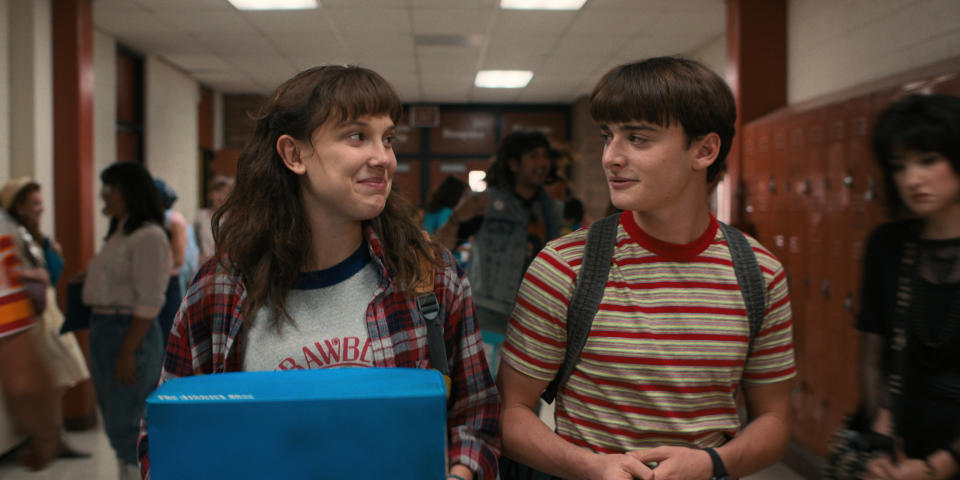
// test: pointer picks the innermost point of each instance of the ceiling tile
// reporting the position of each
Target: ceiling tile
(340, 4)
(377, 21)
(531, 22)
(230, 44)
(399, 45)
(560, 66)
(129, 22)
(705, 24)
(198, 63)
(162, 45)
(317, 43)
(512, 60)
(288, 22)
(610, 22)
(309, 61)
(534, 44)
(595, 45)
(208, 22)
(445, 3)
(159, 5)
(650, 46)
(234, 82)
(385, 65)
(450, 20)
(116, 6)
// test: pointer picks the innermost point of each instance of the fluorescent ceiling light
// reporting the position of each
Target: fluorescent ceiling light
(275, 4)
(542, 4)
(503, 78)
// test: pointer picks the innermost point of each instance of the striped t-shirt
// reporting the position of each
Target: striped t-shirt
(668, 346)
(16, 309)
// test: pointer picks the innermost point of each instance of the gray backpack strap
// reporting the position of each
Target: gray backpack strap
(597, 254)
(749, 277)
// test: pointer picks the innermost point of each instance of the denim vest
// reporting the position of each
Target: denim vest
(498, 249)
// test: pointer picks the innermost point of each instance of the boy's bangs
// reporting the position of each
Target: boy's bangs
(617, 100)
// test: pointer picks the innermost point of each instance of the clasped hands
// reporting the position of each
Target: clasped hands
(669, 463)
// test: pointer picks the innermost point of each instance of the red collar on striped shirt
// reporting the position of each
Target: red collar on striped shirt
(669, 251)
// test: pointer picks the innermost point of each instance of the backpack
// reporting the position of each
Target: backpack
(592, 280)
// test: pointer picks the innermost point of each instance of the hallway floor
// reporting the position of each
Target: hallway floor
(103, 465)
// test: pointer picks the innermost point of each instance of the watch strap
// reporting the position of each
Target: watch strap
(719, 470)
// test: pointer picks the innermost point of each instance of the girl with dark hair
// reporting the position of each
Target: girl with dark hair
(313, 247)
(910, 312)
(441, 202)
(125, 287)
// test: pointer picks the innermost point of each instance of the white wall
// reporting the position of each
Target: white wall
(837, 44)
(217, 121)
(713, 55)
(31, 98)
(171, 131)
(104, 120)
(4, 91)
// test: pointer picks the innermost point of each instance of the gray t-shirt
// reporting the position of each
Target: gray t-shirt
(329, 331)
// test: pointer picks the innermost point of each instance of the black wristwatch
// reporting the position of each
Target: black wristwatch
(719, 471)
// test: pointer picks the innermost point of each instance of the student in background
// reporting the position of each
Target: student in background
(32, 402)
(42, 262)
(518, 218)
(313, 245)
(218, 189)
(183, 245)
(917, 144)
(125, 287)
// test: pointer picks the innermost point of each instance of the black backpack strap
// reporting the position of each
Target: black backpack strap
(749, 277)
(430, 310)
(597, 254)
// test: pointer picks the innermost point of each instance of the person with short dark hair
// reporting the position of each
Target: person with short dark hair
(653, 393)
(916, 142)
(316, 247)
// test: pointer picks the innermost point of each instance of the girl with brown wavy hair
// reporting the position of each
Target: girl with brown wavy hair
(314, 248)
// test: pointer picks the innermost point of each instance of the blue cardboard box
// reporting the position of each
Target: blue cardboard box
(302, 424)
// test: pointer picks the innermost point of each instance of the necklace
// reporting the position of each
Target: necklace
(917, 277)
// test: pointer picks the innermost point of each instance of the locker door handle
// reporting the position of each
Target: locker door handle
(848, 303)
(848, 181)
(825, 288)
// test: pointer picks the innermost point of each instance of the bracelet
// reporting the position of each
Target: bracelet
(454, 476)
(931, 471)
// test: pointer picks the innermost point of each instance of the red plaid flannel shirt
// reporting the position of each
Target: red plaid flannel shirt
(206, 339)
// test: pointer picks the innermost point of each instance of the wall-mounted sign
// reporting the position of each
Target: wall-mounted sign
(464, 132)
(424, 116)
(453, 167)
(550, 123)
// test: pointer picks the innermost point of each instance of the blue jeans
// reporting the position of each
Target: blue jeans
(122, 406)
